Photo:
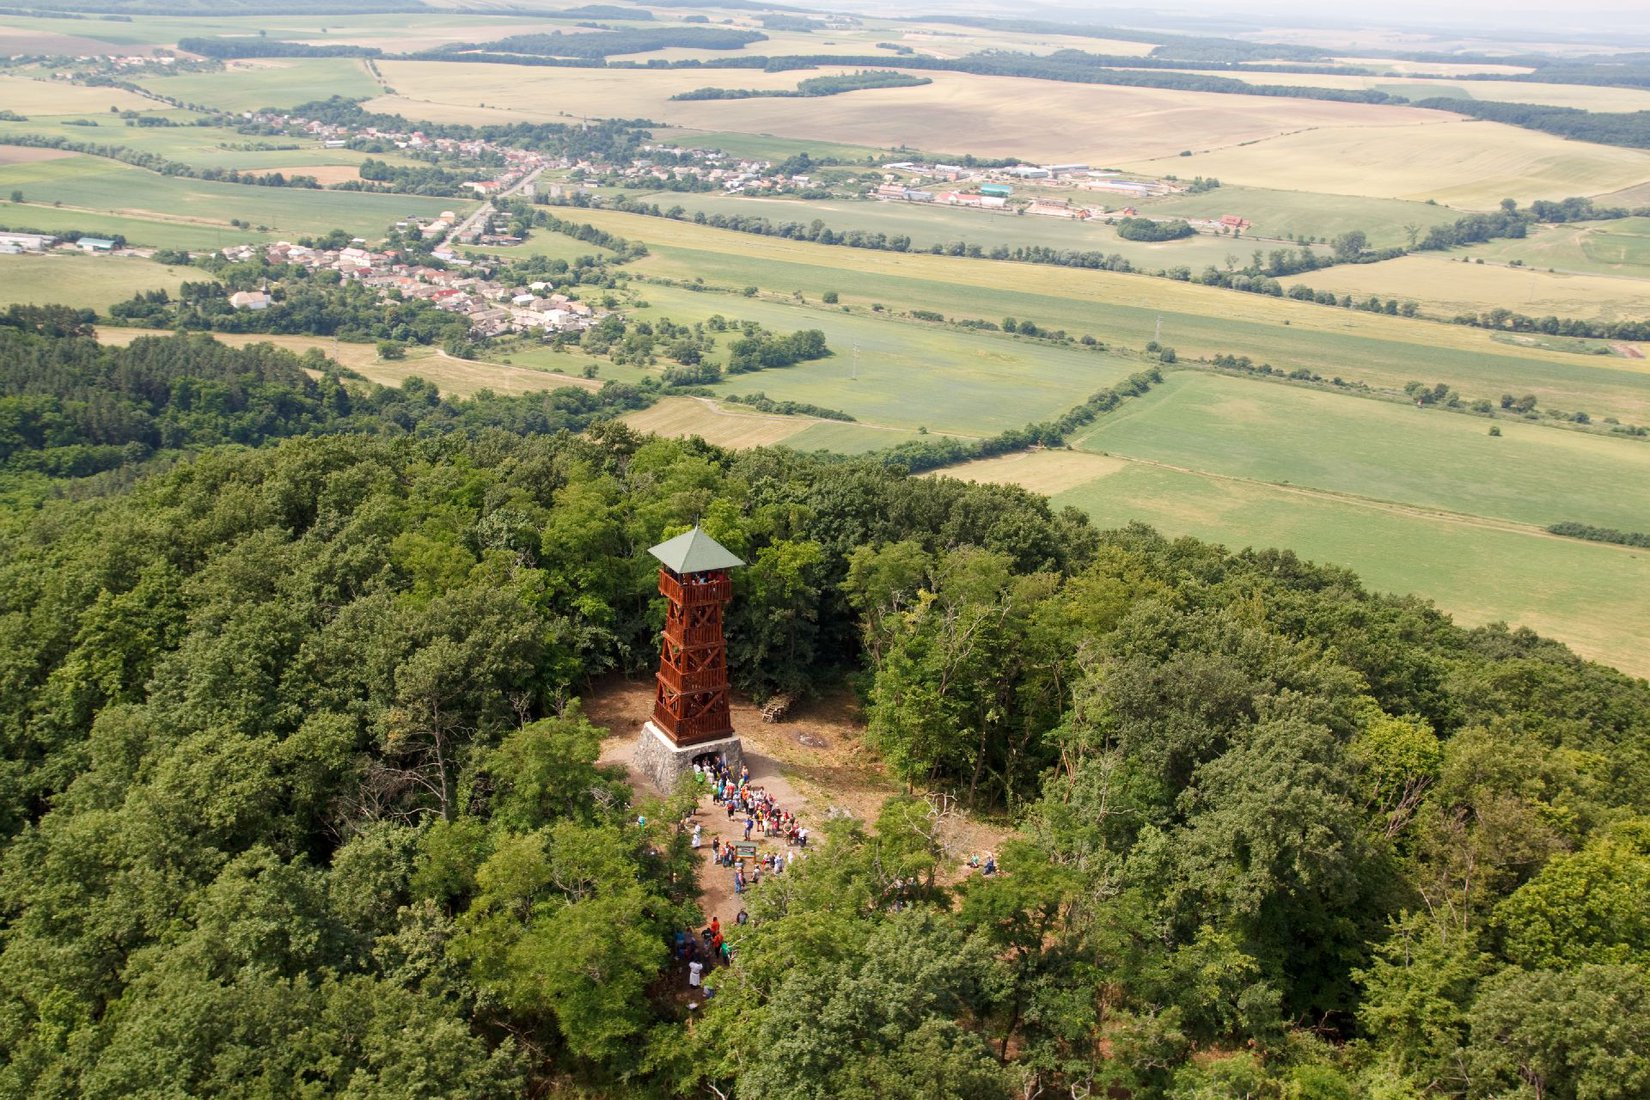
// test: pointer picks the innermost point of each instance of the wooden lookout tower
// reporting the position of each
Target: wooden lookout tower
(691, 717)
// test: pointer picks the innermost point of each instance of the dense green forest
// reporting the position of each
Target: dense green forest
(296, 796)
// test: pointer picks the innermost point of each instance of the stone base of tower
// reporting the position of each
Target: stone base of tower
(664, 762)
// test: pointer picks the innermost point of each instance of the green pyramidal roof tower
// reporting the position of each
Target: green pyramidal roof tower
(695, 552)
(692, 718)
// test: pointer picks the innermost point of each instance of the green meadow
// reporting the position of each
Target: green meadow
(928, 224)
(1382, 450)
(1129, 310)
(1595, 598)
(272, 82)
(1305, 215)
(910, 374)
(100, 186)
(1620, 247)
(197, 146)
(94, 282)
(151, 232)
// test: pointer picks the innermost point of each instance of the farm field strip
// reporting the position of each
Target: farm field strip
(1380, 451)
(1445, 287)
(680, 417)
(986, 115)
(929, 224)
(906, 374)
(93, 282)
(1470, 164)
(1122, 309)
(1593, 597)
(1580, 96)
(106, 186)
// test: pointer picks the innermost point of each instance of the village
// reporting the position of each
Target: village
(492, 308)
(993, 191)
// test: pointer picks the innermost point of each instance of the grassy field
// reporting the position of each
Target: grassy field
(927, 224)
(268, 82)
(152, 231)
(1280, 213)
(95, 282)
(1428, 458)
(30, 96)
(1601, 248)
(199, 146)
(1466, 163)
(98, 185)
(1125, 309)
(988, 116)
(910, 374)
(1593, 597)
(1449, 287)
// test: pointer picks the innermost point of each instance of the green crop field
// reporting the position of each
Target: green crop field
(1449, 287)
(1595, 598)
(928, 224)
(148, 232)
(1126, 310)
(1381, 450)
(268, 82)
(1281, 213)
(95, 282)
(910, 374)
(97, 185)
(198, 146)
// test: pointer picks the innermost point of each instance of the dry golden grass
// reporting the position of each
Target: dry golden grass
(324, 173)
(354, 356)
(680, 417)
(463, 377)
(28, 96)
(1046, 472)
(958, 112)
(1446, 287)
(1458, 163)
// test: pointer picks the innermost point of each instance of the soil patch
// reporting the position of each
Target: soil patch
(814, 764)
(22, 154)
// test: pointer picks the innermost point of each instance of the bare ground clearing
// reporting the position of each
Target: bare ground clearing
(813, 763)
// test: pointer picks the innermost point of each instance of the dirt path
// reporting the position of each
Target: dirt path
(813, 763)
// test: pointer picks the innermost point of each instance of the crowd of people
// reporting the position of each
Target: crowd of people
(754, 813)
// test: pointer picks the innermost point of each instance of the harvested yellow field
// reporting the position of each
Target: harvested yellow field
(28, 96)
(681, 417)
(1045, 472)
(1446, 287)
(462, 377)
(1581, 96)
(984, 115)
(1441, 68)
(550, 93)
(1458, 163)
(325, 174)
(354, 356)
